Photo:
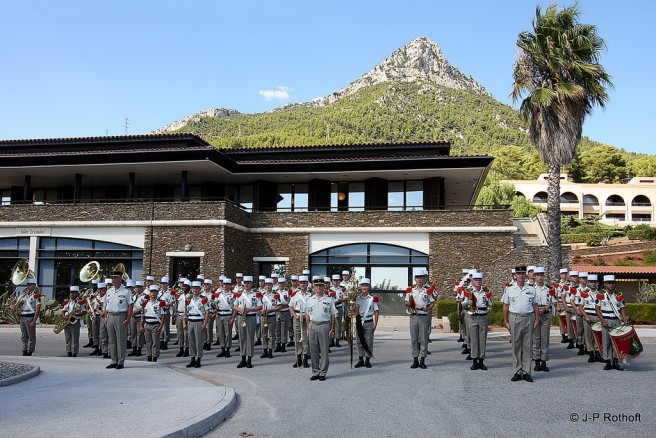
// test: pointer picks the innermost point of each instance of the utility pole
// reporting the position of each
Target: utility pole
(127, 125)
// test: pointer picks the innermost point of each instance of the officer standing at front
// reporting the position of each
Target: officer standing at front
(29, 310)
(320, 320)
(118, 310)
(520, 317)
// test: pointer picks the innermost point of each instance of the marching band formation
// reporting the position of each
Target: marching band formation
(314, 316)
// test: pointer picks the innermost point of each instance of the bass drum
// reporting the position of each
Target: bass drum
(596, 335)
(626, 342)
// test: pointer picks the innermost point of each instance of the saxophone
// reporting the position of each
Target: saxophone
(72, 318)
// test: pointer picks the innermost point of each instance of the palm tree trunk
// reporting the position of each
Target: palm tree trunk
(553, 216)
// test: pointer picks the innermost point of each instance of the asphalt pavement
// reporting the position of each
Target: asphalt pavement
(78, 396)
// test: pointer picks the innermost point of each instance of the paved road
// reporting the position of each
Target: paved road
(447, 399)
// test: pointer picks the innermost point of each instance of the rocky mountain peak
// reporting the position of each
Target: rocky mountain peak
(419, 60)
(212, 112)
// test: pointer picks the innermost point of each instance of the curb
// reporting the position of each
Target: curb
(16, 379)
(201, 426)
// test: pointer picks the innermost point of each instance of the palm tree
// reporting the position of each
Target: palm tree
(558, 71)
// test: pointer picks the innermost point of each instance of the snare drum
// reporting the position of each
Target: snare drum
(626, 342)
(596, 335)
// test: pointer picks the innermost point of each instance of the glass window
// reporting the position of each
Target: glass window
(414, 195)
(246, 197)
(356, 197)
(285, 192)
(395, 195)
(301, 198)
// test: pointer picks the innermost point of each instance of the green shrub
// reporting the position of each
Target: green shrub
(599, 262)
(650, 259)
(453, 320)
(445, 307)
(641, 313)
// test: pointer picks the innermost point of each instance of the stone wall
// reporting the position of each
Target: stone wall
(294, 246)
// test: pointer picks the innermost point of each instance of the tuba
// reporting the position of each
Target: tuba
(121, 268)
(19, 273)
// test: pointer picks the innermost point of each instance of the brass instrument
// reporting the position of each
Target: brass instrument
(72, 318)
(473, 302)
(351, 312)
(89, 272)
(243, 315)
(19, 273)
(300, 320)
(412, 308)
(265, 316)
(121, 268)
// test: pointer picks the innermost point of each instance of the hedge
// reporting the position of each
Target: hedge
(641, 313)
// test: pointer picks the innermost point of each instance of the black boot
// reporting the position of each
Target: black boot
(242, 363)
(598, 357)
(216, 343)
(270, 355)
(186, 352)
(278, 348)
(24, 352)
(332, 343)
(133, 352)
(337, 344)
(177, 341)
(544, 366)
(290, 343)
(209, 346)
(192, 363)
(95, 352)
(258, 341)
(298, 363)
(571, 345)
(305, 362)
(538, 365)
(581, 351)
(475, 365)
(88, 345)
(149, 359)
(460, 339)
(227, 352)
(283, 348)
(265, 353)
(415, 363)
(154, 359)
(360, 363)
(608, 365)
(564, 340)
(180, 353)
(482, 365)
(248, 362)
(129, 344)
(139, 352)
(616, 365)
(465, 351)
(592, 357)
(166, 346)
(367, 362)
(105, 355)
(235, 337)
(197, 365)
(422, 363)
(222, 353)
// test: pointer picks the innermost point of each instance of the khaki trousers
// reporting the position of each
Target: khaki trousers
(522, 341)
(319, 341)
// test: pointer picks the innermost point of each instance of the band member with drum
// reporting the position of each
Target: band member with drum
(477, 304)
(367, 307)
(298, 310)
(420, 302)
(73, 308)
(28, 310)
(545, 297)
(118, 310)
(195, 323)
(558, 286)
(152, 322)
(589, 316)
(247, 305)
(520, 317)
(224, 318)
(567, 299)
(610, 311)
(320, 320)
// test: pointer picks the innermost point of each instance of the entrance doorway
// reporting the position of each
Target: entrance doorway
(188, 267)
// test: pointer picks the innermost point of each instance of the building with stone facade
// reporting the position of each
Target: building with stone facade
(175, 205)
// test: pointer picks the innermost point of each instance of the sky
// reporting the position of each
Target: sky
(75, 68)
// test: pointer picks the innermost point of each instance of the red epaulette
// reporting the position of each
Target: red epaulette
(38, 296)
(162, 303)
(375, 299)
(552, 292)
(584, 295)
(80, 302)
(488, 295)
(600, 296)
(619, 296)
(408, 290)
(292, 293)
(258, 295)
(204, 300)
(276, 296)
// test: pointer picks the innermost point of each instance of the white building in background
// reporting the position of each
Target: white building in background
(616, 204)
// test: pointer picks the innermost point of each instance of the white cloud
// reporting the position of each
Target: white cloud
(280, 93)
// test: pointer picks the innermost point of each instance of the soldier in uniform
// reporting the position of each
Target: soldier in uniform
(420, 300)
(477, 303)
(94, 290)
(224, 318)
(165, 295)
(247, 305)
(195, 322)
(258, 319)
(73, 308)
(283, 321)
(209, 330)
(139, 296)
(180, 312)
(320, 320)
(103, 335)
(28, 311)
(609, 306)
(118, 310)
(558, 286)
(367, 307)
(152, 322)
(589, 316)
(298, 310)
(520, 317)
(270, 306)
(545, 298)
(567, 299)
(340, 296)
(581, 288)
